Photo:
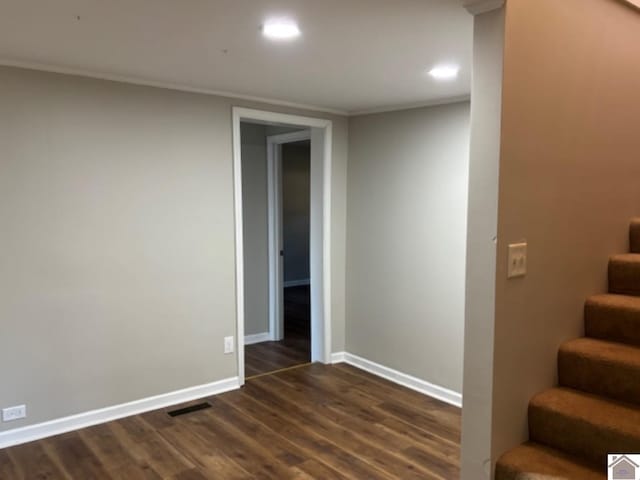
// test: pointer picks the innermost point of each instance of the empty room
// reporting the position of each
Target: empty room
(235, 239)
(292, 239)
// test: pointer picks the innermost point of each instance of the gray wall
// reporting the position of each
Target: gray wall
(117, 253)
(296, 172)
(255, 223)
(407, 194)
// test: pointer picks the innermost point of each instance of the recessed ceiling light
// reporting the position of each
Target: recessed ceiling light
(280, 29)
(444, 72)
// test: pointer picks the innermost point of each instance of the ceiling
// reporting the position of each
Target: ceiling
(353, 55)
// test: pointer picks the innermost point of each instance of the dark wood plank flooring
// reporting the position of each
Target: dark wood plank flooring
(295, 348)
(312, 422)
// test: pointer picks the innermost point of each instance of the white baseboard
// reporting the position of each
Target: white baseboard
(338, 357)
(257, 338)
(422, 386)
(94, 417)
(297, 283)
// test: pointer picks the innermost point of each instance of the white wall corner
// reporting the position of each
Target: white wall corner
(422, 386)
(476, 7)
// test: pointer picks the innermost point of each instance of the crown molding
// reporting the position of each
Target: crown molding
(476, 7)
(44, 67)
(411, 106)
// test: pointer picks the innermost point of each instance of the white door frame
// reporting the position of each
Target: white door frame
(274, 205)
(320, 235)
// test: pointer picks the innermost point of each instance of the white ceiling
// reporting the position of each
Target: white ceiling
(353, 55)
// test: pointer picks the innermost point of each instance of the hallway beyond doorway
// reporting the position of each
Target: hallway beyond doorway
(295, 348)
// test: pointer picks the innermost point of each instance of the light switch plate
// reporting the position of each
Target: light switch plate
(517, 260)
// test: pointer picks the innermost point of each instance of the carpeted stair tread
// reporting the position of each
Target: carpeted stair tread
(634, 236)
(603, 368)
(624, 274)
(584, 425)
(596, 410)
(613, 317)
(534, 461)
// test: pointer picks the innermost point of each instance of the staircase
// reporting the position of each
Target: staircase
(596, 408)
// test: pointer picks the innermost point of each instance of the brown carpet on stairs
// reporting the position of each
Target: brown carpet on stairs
(530, 461)
(596, 408)
(613, 317)
(605, 368)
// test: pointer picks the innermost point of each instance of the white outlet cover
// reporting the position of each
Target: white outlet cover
(228, 344)
(14, 413)
(517, 266)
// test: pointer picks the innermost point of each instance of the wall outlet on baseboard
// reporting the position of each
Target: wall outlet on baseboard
(228, 344)
(14, 413)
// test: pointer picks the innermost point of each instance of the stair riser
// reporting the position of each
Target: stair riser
(536, 462)
(614, 324)
(624, 277)
(578, 437)
(634, 237)
(610, 380)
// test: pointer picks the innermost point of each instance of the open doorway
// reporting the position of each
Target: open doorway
(283, 162)
(282, 171)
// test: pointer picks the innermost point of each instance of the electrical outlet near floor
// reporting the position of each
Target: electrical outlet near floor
(228, 344)
(517, 260)
(14, 413)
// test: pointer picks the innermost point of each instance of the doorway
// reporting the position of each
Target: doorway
(282, 166)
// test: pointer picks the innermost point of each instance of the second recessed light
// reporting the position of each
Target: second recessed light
(280, 29)
(444, 72)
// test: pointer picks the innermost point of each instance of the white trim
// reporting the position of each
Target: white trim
(297, 136)
(477, 7)
(274, 221)
(160, 84)
(271, 118)
(274, 225)
(322, 317)
(411, 106)
(297, 283)
(417, 384)
(239, 240)
(326, 242)
(258, 338)
(94, 417)
(338, 357)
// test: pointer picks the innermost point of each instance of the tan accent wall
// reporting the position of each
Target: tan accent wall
(632, 3)
(569, 183)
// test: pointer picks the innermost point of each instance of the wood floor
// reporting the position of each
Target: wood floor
(313, 422)
(295, 348)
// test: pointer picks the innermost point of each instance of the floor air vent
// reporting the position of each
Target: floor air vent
(192, 408)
